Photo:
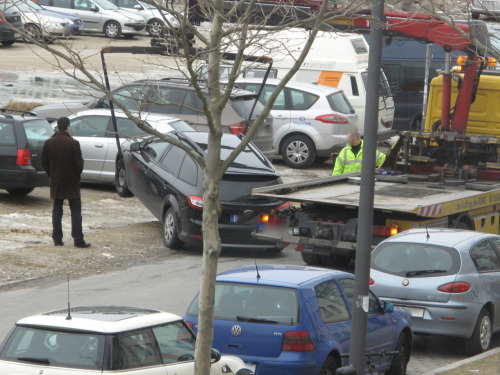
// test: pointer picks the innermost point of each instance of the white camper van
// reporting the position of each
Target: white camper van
(337, 60)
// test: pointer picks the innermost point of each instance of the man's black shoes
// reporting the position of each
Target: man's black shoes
(58, 243)
(82, 245)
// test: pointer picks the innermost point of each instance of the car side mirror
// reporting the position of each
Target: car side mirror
(215, 356)
(94, 8)
(388, 307)
(135, 147)
(138, 7)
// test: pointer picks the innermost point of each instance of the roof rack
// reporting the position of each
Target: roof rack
(22, 112)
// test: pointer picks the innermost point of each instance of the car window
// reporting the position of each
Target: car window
(173, 160)
(155, 150)
(59, 349)
(83, 4)
(354, 86)
(301, 100)
(128, 128)
(243, 105)
(374, 307)
(181, 126)
(415, 259)
(127, 3)
(7, 136)
(89, 126)
(189, 171)
(176, 342)
(138, 349)
(37, 132)
(130, 97)
(485, 257)
(192, 104)
(278, 105)
(339, 103)
(61, 4)
(253, 303)
(332, 305)
(168, 100)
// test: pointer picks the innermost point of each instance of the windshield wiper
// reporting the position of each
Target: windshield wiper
(43, 361)
(255, 320)
(423, 272)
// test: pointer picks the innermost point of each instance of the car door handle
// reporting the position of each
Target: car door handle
(98, 145)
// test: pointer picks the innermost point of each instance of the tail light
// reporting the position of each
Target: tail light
(379, 230)
(332, 119)
(23, 157)
(458, 287)
(371, 282)
(190, 325)
(239, 128)
(297, 341)
(273, 219)
(195, 202)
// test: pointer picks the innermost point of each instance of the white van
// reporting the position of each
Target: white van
(337, 60)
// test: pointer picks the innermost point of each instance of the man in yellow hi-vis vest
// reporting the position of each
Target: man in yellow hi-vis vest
(351, 156)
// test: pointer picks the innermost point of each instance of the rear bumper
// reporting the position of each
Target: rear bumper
(285, 364)
(443, 319)
(7, 35)
(23, 178)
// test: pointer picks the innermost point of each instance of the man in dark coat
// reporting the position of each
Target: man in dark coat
(62, 160)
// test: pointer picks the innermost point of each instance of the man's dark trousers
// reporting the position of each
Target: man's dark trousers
(75, 206)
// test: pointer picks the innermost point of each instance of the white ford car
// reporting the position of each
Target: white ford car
(96, 340)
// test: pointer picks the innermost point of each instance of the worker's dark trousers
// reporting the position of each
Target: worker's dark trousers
(75, 206)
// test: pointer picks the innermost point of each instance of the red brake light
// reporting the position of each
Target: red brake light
(371, 282)
(190, 325)
(332, 119)
(458, 287)
(195, 202)
(239, 128)
(23, 157)
(297, 341)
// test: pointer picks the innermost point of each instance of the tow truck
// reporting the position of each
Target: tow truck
(438, 178)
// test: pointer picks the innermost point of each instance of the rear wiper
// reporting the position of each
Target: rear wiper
(255, 320)
(43, 361)
(423, 272)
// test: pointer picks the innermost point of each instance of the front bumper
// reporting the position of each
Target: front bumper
(442, 319)
(133, 28)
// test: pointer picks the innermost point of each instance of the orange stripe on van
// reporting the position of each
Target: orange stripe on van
(328, 78)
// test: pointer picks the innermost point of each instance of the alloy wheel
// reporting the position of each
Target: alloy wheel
(485, 332)
(297, 152)
(169, 228)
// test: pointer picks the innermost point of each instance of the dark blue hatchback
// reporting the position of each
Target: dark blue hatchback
(297, 320)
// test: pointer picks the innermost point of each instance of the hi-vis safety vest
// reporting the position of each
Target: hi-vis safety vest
(347, 162)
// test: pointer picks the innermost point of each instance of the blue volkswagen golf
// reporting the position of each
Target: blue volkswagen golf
(297, 321)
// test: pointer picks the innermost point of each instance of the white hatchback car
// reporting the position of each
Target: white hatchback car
(97, 340)
(93, 128)
(310, 121)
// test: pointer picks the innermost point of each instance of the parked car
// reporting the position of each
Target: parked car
(177, 97)
(310, 121)
(99, 16)
(21, 143)
(169, 183)
(94, 130)
(99, 340)
(40, 23)
(485, 7)
(8, 36)
(156, 20)
(292, 320)
(447, 279)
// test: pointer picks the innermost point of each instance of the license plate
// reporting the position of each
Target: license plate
(413, 311)
(251, 366)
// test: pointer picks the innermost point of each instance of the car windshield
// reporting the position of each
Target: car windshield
(79, 350)
(384, 88)
(38, 131)
(106, 5)
(254, 304)
(339, 103)
(27, 6)
(415, 259)
(148, 6)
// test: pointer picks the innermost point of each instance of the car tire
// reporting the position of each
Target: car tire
(121, 185)
(112, 29)
(481, 337)
(400, 362)
(171, 230)
(329, 367)
(298, 151)
(155, 27)
(310, 258)
(8, 43)
(34, 32)
(20, 191)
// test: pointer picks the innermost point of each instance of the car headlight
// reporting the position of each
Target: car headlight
(52, 24)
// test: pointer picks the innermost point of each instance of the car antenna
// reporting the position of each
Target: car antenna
(256, 267)
(69, 305)
(427, 230)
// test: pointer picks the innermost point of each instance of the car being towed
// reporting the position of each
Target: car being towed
(168, 182)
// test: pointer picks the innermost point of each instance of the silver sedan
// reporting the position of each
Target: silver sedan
(447, 279)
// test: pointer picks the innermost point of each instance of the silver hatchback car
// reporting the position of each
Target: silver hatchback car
(447, 279)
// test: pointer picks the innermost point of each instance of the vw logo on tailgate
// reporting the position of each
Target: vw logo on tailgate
(236, 330)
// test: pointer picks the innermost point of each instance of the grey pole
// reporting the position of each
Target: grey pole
(428, 61)
(357, 356)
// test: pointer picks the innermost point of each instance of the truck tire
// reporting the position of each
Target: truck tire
(481, 337)
(298, 151)
(335, 260)
(310, 258)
